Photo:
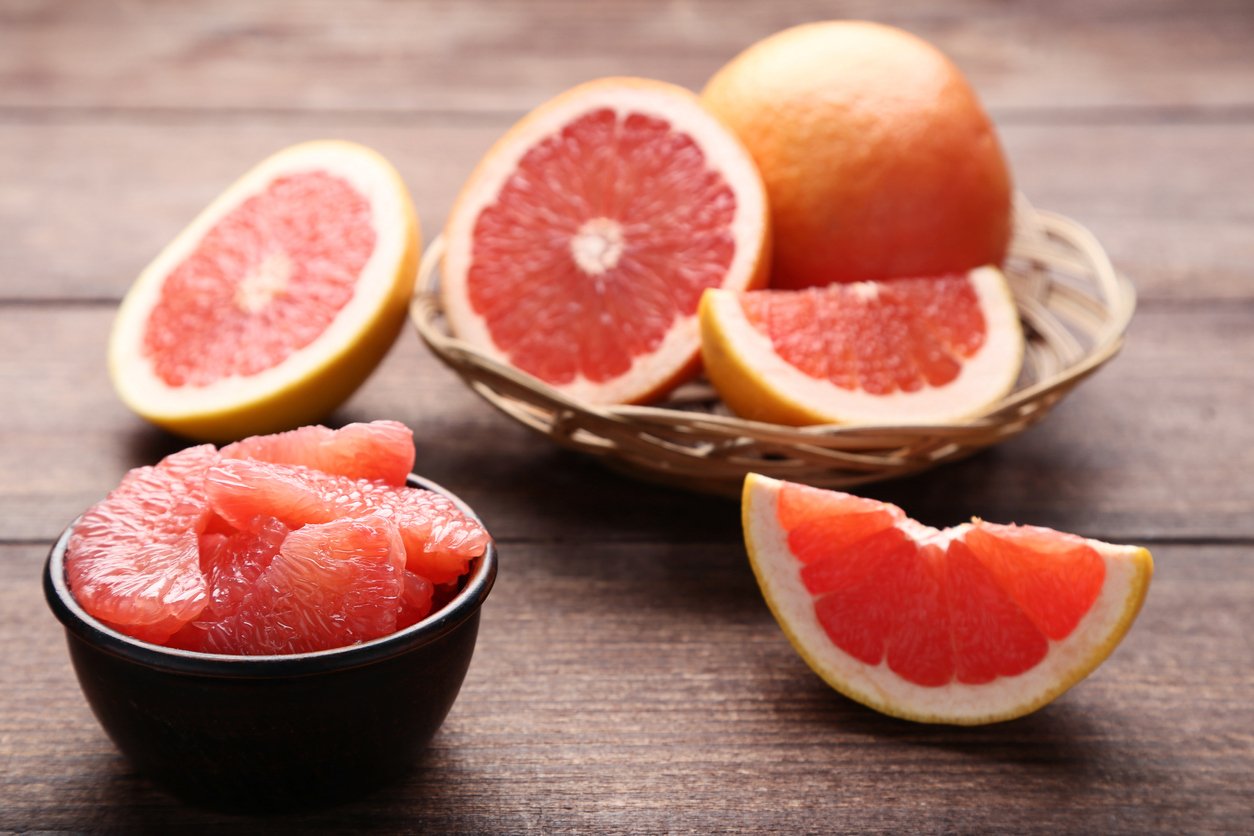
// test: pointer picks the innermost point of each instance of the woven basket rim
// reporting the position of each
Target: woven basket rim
(1069, 295)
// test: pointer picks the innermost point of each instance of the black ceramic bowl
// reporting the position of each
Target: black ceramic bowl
(258, 733)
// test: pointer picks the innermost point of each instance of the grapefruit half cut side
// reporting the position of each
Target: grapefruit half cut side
(974, 624)
(896, 351)
(579, 248)
(278, 300)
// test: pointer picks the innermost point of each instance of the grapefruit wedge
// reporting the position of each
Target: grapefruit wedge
(579, 248)
(973, 624)
(896, 351)
(278, 300)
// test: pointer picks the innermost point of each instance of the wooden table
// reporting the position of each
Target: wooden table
(628, 675)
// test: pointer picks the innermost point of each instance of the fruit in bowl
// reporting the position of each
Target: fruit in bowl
(297, 659)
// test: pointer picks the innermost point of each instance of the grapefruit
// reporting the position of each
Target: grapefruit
(380, 450)
(171, 557)
(897, 351)
(878, 158)
(578, 249)
(277, 301)
(439, 540)
(133, 560)
(973, 624)
(328, 585)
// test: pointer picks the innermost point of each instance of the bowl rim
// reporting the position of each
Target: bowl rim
(82, 625)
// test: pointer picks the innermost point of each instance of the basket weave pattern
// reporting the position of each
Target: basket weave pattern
(1075, 310)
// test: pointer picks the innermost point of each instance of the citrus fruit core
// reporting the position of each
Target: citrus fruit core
(271, 274)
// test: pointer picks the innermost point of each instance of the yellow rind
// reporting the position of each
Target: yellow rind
(756, 487)
(334, 378)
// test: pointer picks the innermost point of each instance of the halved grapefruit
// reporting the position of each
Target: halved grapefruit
(897, 351)
(973, 624)
(278, 300)
(579, 248)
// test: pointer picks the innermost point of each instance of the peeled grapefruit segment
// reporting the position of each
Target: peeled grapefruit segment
(579, 248)
(897, 351)
(133, 560)
(380, 450)
(277, 301)
(973, 624)
(440, 541)
(329, 585)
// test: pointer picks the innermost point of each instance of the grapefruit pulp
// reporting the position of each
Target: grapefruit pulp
(579, 248)
(169, 558)
(974, 624)
(276, 302)
(897, 351)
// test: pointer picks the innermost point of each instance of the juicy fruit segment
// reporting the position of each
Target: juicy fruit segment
(579, 249)
(172, 557)
(973, 624)
(878, 158)
(900, 350)
(276, 302)
(439, 541)
(350, 569)
(136, 555)
(379, 450)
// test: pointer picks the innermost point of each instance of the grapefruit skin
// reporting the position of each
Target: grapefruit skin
(502, 158)
(292, 400)
(878, 158)
(977, 694)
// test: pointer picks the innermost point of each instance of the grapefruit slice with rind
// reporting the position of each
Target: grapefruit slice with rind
(278, 300)
(974, 624)
(897, 351)
(578, 249)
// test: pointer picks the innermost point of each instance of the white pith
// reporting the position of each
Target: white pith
(681, 343)
(368, 175)
(1067, 661)
(984, 378)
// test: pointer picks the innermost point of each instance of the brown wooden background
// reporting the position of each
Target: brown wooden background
(628, 676)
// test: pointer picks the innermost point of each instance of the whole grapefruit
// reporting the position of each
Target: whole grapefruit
(878, 158)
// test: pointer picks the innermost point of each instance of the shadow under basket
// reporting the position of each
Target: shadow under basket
(1075, 308)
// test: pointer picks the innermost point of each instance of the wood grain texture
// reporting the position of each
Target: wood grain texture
(628, 677)
(621, 688)
(1149, 448)
(87, 203)
(455, 56)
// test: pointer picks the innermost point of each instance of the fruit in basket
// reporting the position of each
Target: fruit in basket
(973, 624)
(189, 553)
(278, 300)
(878, 158)
(578, 249)
(897, 351)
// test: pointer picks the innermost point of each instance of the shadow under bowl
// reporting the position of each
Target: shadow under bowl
(272, 733)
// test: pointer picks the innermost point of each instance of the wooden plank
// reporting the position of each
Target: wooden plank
(646, 688)
(446, 55)
(1150, 448)
(88, 202)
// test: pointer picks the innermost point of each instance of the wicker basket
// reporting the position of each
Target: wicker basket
(1075, 309)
